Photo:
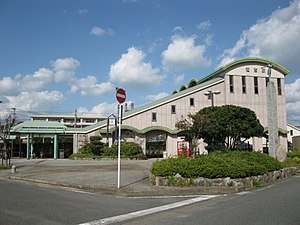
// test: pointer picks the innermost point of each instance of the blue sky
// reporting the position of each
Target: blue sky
(60, 55)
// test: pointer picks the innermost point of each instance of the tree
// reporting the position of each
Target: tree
(95, 147)
(225, 126)
(5, 127)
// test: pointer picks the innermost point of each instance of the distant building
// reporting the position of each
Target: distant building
(70, 120)
(293, 136)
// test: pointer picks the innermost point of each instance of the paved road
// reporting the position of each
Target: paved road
(26, 203)
(278, 204)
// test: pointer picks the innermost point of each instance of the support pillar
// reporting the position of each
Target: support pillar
(55, 146)
(31, 145)
(28, 146)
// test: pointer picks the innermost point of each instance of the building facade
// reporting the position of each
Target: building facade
(242, 83)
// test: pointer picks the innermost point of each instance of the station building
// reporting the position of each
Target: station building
(242, 82)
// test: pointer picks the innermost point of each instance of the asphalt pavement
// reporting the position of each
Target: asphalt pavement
(95, 175)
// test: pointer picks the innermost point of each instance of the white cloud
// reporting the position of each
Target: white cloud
(8, 86)
(37, 81)
(64, 69)
(275, 38)
(157, 96)
(183, 54)
(101, 109)
(83, 12)
(131, 70)
(88, 87)
(32, 82)
(204, 25)
(178, 29)
(292, 93)
(179, 79)
(29, 101)
(98, 31)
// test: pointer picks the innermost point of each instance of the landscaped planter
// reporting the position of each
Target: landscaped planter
(238, 184)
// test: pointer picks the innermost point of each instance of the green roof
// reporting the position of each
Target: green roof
(143, 131)
(39, 127)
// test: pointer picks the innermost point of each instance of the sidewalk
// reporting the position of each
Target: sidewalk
(96, 176)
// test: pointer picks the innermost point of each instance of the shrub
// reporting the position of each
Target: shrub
(95, 147)
(296, 160)
(110, 151)
(293, 154)
(128, 149)
(234, 164)
(82, 156)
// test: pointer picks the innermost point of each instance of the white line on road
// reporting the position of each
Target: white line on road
(70, 189)
(170, 196)
(145, 212)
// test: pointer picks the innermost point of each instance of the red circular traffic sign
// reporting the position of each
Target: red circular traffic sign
(121, 95)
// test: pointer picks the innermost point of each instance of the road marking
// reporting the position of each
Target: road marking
(243, 193)
(170, 196)
(70, 189)
(146, 212)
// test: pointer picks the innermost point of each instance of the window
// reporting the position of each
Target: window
(255, 85)
(192, 102)
(173, 109)
(279, 90)
(267, 81)
(231, 87)
(154, 119)
(244, 84)
(291, 132)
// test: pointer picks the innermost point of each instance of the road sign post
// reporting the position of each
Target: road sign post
(121, 97)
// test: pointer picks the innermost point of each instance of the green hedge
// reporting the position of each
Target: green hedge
(128, 150)
(234, 164)
(293, 154)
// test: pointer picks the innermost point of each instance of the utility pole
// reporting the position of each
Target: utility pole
(14, 116)
(75, 117)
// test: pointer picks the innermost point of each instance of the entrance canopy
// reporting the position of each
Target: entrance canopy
(39, 128)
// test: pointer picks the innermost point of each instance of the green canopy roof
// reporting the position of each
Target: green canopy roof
(39, 127)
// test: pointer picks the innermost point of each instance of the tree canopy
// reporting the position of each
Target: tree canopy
(223, 126)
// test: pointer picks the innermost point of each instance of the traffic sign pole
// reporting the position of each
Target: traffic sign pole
(121, 97)
(119, 145)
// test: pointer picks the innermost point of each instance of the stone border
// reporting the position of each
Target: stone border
(239, 184)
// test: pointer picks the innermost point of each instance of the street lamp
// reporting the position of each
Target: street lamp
(210, 95)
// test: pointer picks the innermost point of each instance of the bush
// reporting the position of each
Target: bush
(95, 147)
(110, 151)
(82, 156)
(293, 154)
(234, 164)
(128, 149)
